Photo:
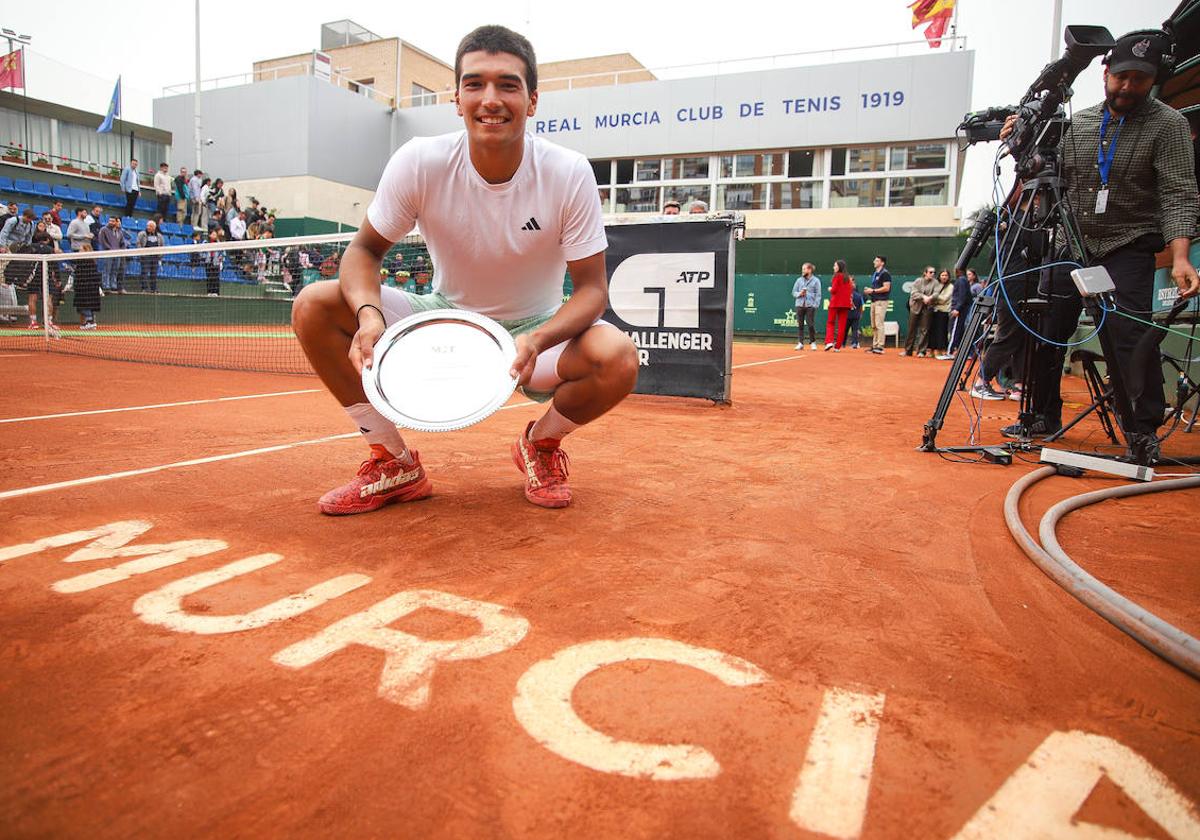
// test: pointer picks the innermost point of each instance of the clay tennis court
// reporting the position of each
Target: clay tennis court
(770, 619)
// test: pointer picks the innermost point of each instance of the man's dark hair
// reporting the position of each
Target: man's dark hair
(498, 39)
(881, 258)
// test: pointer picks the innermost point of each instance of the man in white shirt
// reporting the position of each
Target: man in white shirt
(195, 203)
(504, 213)
(162, 189)
(237, 227)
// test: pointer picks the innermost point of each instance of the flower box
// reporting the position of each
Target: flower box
(14, 158)
(66, 167)
(42, 163)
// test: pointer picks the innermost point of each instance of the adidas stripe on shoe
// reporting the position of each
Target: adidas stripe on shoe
(381, 480)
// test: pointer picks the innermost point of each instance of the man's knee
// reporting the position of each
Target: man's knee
(318, 305)
(614, 358)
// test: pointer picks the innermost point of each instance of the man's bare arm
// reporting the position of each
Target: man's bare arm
(589, 299)
(358, 280)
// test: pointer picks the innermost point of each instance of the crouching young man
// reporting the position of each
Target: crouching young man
(503, 214)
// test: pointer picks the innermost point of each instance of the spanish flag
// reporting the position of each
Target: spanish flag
(935, 14)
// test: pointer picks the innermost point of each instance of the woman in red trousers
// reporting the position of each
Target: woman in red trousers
(841, 299)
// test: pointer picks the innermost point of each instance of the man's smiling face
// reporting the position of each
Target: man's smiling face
(494, 99)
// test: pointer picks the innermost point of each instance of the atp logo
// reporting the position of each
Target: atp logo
(661, 290)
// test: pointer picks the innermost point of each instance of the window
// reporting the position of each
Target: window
(859, 160)
(624, 171)
(802, 163)
(801, 195)
(648, 170)
(857, 192)
(637, 200)
(751, 165)
(421, 95)
(742, 196)
(926, 156)
(685, 195)
(603, 171)
(918, 192)
(685, 167)
(605, 198)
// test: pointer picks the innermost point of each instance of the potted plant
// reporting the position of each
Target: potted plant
(67, 166)
(41, 162)
(114, 172)
(92, 170)
(14, 152)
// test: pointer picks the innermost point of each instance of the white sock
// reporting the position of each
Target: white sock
(377, 429)
(552, 425)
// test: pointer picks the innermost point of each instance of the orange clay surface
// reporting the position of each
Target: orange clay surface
(880, 659)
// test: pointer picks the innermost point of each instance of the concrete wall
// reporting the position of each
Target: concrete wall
(418, 66)
(293, 126)
(602, 64)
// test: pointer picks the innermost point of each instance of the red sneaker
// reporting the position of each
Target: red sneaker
(545, 468)
(382, 479)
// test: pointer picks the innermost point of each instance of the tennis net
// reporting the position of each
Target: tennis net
(224, 305)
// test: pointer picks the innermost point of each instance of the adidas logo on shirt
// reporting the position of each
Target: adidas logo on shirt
(531, 224)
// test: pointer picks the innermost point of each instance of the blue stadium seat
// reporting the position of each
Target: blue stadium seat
(170, 228)
(65, 244)
(40, 210)
(112, 199)
(77, 194)
(6, 184)
(94, 197)
(146, 205)
(42, 189)
(24, 186)
(187, 229)
(61, 191)
(21, 208)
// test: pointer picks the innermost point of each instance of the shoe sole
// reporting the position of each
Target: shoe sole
(421, 490)
(519, 463)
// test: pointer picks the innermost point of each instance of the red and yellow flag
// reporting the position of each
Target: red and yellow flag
(12, 70)
(935, 14)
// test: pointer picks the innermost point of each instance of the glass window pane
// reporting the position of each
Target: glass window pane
(837, 165)
(857, 192)
(866, 160)
(685, 167)
(742, 197)
(637, 200)
(924, 156)
(649, 170)
(685, 195)
(802, 163)
(743, 165)
(919, 192)
(726, 166)
(605, 196)
(625, 172)
(801, 195)
(603, 171)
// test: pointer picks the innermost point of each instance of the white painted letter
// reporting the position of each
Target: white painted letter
(410, 661)
(831, 793)
(164, 606)
(543, 706)
(1042, 797)
(110, 541)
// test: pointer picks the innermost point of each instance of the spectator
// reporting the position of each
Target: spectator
(18, 230)
(960, 307)
(53, 230)
(698, 206)
(232, 214)
(920, 311)
(268, 226)
(807, 293)
(879, 294)
(231, 200)
(111, 238)
(208, 204)
(41, 242)
(237, 227)
(840, 299)
(129, 185)
(179, 192)
(150, 238)
(195, 198)
(162, 189)
(293, 277)
(56, 213)
(216, 193)
(854, 319)
(939, 332)
(214, 261)
(671, 208)
(87, 289)
(253, 212)
(9, 211)
(79, 232)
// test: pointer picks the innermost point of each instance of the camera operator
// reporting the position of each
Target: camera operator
(1130, 182)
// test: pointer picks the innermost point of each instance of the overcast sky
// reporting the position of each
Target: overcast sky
(76, 57)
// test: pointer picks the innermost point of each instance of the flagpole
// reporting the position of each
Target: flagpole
(25, 103)
(954, 42)
(1056, 31)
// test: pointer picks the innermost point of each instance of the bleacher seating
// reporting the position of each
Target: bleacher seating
(95, 197)
(61, 191)
(146, 205)
(23, 185)
(41, 188)
(6, 184)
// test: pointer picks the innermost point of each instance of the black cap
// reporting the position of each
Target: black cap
(1136, 51)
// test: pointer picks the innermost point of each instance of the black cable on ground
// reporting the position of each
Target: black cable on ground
(1161, 638)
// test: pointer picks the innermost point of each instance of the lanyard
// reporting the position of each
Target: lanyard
(1105, 161)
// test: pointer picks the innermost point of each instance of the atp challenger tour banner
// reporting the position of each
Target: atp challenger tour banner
(668, 289)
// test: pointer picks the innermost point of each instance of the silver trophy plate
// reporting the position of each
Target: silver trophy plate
(441, 370)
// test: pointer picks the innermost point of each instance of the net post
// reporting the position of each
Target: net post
(46, 301)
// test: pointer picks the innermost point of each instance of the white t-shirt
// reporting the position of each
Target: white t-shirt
(499, 249)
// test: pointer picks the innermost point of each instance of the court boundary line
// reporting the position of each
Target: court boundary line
(211, 459)
(157, 405)
(767, 362)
